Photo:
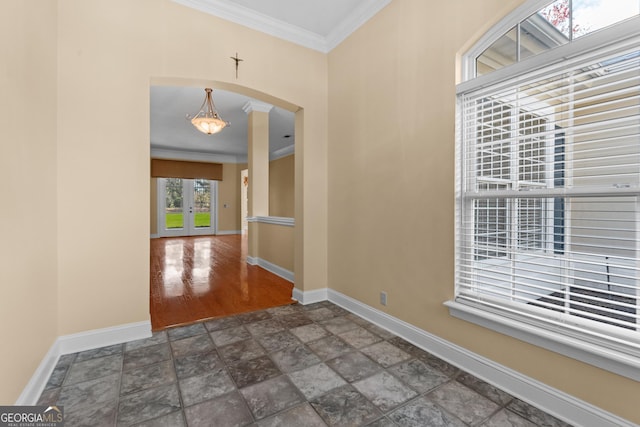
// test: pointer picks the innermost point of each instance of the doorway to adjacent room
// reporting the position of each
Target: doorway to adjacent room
(186, 207)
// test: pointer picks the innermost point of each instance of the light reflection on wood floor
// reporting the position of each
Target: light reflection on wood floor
(196, 278)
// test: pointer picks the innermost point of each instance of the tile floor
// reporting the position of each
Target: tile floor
(299, 366)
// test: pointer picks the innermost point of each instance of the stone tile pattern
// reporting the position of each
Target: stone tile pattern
(314, 365)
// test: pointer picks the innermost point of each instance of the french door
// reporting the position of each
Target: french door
(186, 207)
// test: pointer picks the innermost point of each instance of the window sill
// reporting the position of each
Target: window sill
(598, 352)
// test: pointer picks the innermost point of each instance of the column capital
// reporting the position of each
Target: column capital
(254, 105)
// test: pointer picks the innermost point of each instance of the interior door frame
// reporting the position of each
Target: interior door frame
(189, 228)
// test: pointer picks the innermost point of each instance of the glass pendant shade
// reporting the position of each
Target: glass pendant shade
(207, 120)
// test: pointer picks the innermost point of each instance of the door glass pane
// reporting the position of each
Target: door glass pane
(174, 214)
(201, 203)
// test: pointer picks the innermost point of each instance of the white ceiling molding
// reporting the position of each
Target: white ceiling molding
(283, 152)
(194, 156)
(354, 21)
(258, 21)
(254, 105)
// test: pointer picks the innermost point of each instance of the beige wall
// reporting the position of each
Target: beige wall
(275, 244)
(391, 185)
(390, 212)
(28, 216)
(100, 57)
(229, 195)
(120, 48)
(281, 187)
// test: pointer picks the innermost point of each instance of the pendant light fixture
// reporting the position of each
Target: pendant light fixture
(207, 120)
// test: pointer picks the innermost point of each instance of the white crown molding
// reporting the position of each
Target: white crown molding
(283, 30)
(254, 105)
(555, 402)
(354, 21)
(282, 152)
(195, 156)
(198, 156)
(258, 21)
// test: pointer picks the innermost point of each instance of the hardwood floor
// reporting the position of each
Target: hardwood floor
(196, 278)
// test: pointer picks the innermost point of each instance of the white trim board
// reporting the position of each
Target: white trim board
(74, 343)
(282, 152)
(96, 338)
(32, 391)
(196, 156)
(273, 268)
(309, 297)
(218, 233)
(549, 399)
(267, 24)
(555, 402)
(228, 232)
(600, 354)
(275, 220)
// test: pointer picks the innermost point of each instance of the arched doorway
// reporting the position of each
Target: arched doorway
(170, 277)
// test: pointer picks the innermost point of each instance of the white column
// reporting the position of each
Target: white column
(258, 165)
(258, 157)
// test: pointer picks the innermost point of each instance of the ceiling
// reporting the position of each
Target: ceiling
(318, 25)
(172, 131)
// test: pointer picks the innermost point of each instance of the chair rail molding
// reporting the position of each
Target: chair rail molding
(276, 220)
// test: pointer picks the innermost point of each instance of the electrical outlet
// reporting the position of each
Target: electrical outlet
(383, 298)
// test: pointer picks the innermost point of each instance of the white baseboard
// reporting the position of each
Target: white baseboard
(103, 337)
(32, 391)
(218, 233)
(309, 297)
(549, 399)
(227, 232)
(73, 343)
(276, 269)
(272, 268)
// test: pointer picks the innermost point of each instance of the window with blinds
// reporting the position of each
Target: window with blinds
(548, 196)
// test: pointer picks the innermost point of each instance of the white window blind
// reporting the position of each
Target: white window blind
(548, 196)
